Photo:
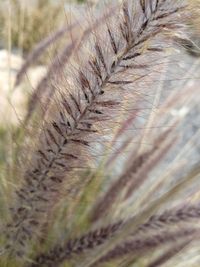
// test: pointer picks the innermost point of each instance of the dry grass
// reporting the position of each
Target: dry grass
(27, 22)
(96, 174)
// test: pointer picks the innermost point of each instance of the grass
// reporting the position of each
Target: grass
(101, 173)
(28, 25)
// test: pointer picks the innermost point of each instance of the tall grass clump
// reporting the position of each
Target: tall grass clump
(86, 191)
(27, 22)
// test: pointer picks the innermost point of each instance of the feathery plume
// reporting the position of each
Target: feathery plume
(76, 246)
(184, 214)
(133, 223)
(49, 84)
(59, 253)
(142, 246)
(87, 105)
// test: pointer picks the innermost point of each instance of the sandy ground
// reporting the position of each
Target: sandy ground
(13, 100)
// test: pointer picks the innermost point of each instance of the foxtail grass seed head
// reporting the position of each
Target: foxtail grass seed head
(92, 86)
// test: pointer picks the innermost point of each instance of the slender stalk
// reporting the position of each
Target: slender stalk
(142, 245)
(166, 220)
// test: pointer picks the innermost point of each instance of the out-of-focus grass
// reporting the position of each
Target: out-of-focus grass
(28, 25)
(3, 133)
(30, 21)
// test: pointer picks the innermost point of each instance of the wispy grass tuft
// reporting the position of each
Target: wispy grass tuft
(92, 187)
